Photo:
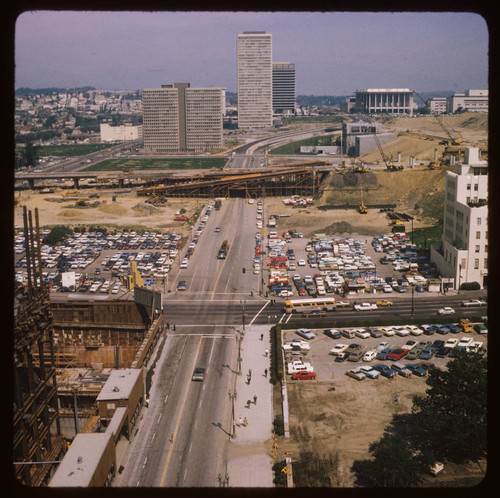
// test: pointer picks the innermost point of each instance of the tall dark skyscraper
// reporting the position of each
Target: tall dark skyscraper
(283, 88)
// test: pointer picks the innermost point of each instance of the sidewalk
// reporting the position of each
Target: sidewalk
(249, 460)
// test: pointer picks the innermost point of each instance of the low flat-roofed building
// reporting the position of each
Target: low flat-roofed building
(121, 133)
(124, 388)
(385, 100)
(89, 462)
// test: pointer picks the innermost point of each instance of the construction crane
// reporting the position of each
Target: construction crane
(388, 163)
(451, 139)
(362, 208)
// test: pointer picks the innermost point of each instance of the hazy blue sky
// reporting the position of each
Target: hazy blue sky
(334, 53)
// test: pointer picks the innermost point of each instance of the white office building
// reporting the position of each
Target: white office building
(463, 253)
(470, 100)
(255, 80)
(121, 133)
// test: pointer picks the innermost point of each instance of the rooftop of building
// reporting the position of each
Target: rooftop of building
(119, 384)
(80, 462)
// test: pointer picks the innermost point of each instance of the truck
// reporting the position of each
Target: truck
(223, 250)
(465, 325)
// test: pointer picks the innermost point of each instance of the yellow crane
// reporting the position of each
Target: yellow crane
(362, 208)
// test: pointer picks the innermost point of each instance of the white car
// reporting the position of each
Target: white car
(474, 347)
(292, 267)
(465, 342)
(362, 333)
(365, 306)
(368, 371)
(401, 331)
(446, 311)
(414, 330)
(184, 263)
(285, 293)
(301, 262)
(473, 302)
(388, 331)
(369, 355)
(451, 343)
(338, 348)
(297, 344)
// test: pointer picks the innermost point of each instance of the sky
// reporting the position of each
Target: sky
(335, 53)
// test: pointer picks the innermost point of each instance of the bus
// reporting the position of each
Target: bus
(308, 305)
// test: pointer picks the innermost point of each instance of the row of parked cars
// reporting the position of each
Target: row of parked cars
(80, 250)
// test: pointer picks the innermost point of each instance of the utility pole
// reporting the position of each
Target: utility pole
(238, 340)
(232, 397)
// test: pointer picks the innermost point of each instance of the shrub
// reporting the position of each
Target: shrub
(279, 476)
(279, 425)
(470, 286)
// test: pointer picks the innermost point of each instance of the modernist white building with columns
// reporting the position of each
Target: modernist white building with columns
(463, 253)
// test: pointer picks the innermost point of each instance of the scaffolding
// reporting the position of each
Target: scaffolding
(37, 435)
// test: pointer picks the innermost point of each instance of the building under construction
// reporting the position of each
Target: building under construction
(36, 435)
(65, 352)
(301, 179)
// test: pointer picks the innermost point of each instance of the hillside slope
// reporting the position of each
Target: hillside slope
(418, 191)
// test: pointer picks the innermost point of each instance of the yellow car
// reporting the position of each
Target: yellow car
(384, 302)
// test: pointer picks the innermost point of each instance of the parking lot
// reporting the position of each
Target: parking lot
(327, 368)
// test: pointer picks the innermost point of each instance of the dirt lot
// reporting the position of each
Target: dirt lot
(127, 210)
(311, 220)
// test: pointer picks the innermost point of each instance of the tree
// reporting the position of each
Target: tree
(30, 155)
(453, 415)
(57, 235)
(394, 464)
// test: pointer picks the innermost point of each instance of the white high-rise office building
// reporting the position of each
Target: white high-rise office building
(255, 80)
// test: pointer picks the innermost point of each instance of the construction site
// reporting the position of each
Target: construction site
(65, 356)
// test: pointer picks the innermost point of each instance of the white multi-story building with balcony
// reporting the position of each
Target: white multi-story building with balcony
(463, 253)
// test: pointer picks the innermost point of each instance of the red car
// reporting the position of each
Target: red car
(303, 374)
(397, 354)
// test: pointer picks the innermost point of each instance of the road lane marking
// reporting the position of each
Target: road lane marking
(178, 422)
(259, 312)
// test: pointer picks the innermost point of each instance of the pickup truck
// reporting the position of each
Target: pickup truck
(297, 366)
(365, 307)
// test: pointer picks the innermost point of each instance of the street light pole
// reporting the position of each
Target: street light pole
(238, 340)
(232, 397)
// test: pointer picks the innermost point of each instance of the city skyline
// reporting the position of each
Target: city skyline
(335, 53)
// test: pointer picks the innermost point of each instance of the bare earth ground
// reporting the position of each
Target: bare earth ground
(127, 210)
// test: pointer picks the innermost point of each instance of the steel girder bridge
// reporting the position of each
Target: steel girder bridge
(284, 181)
